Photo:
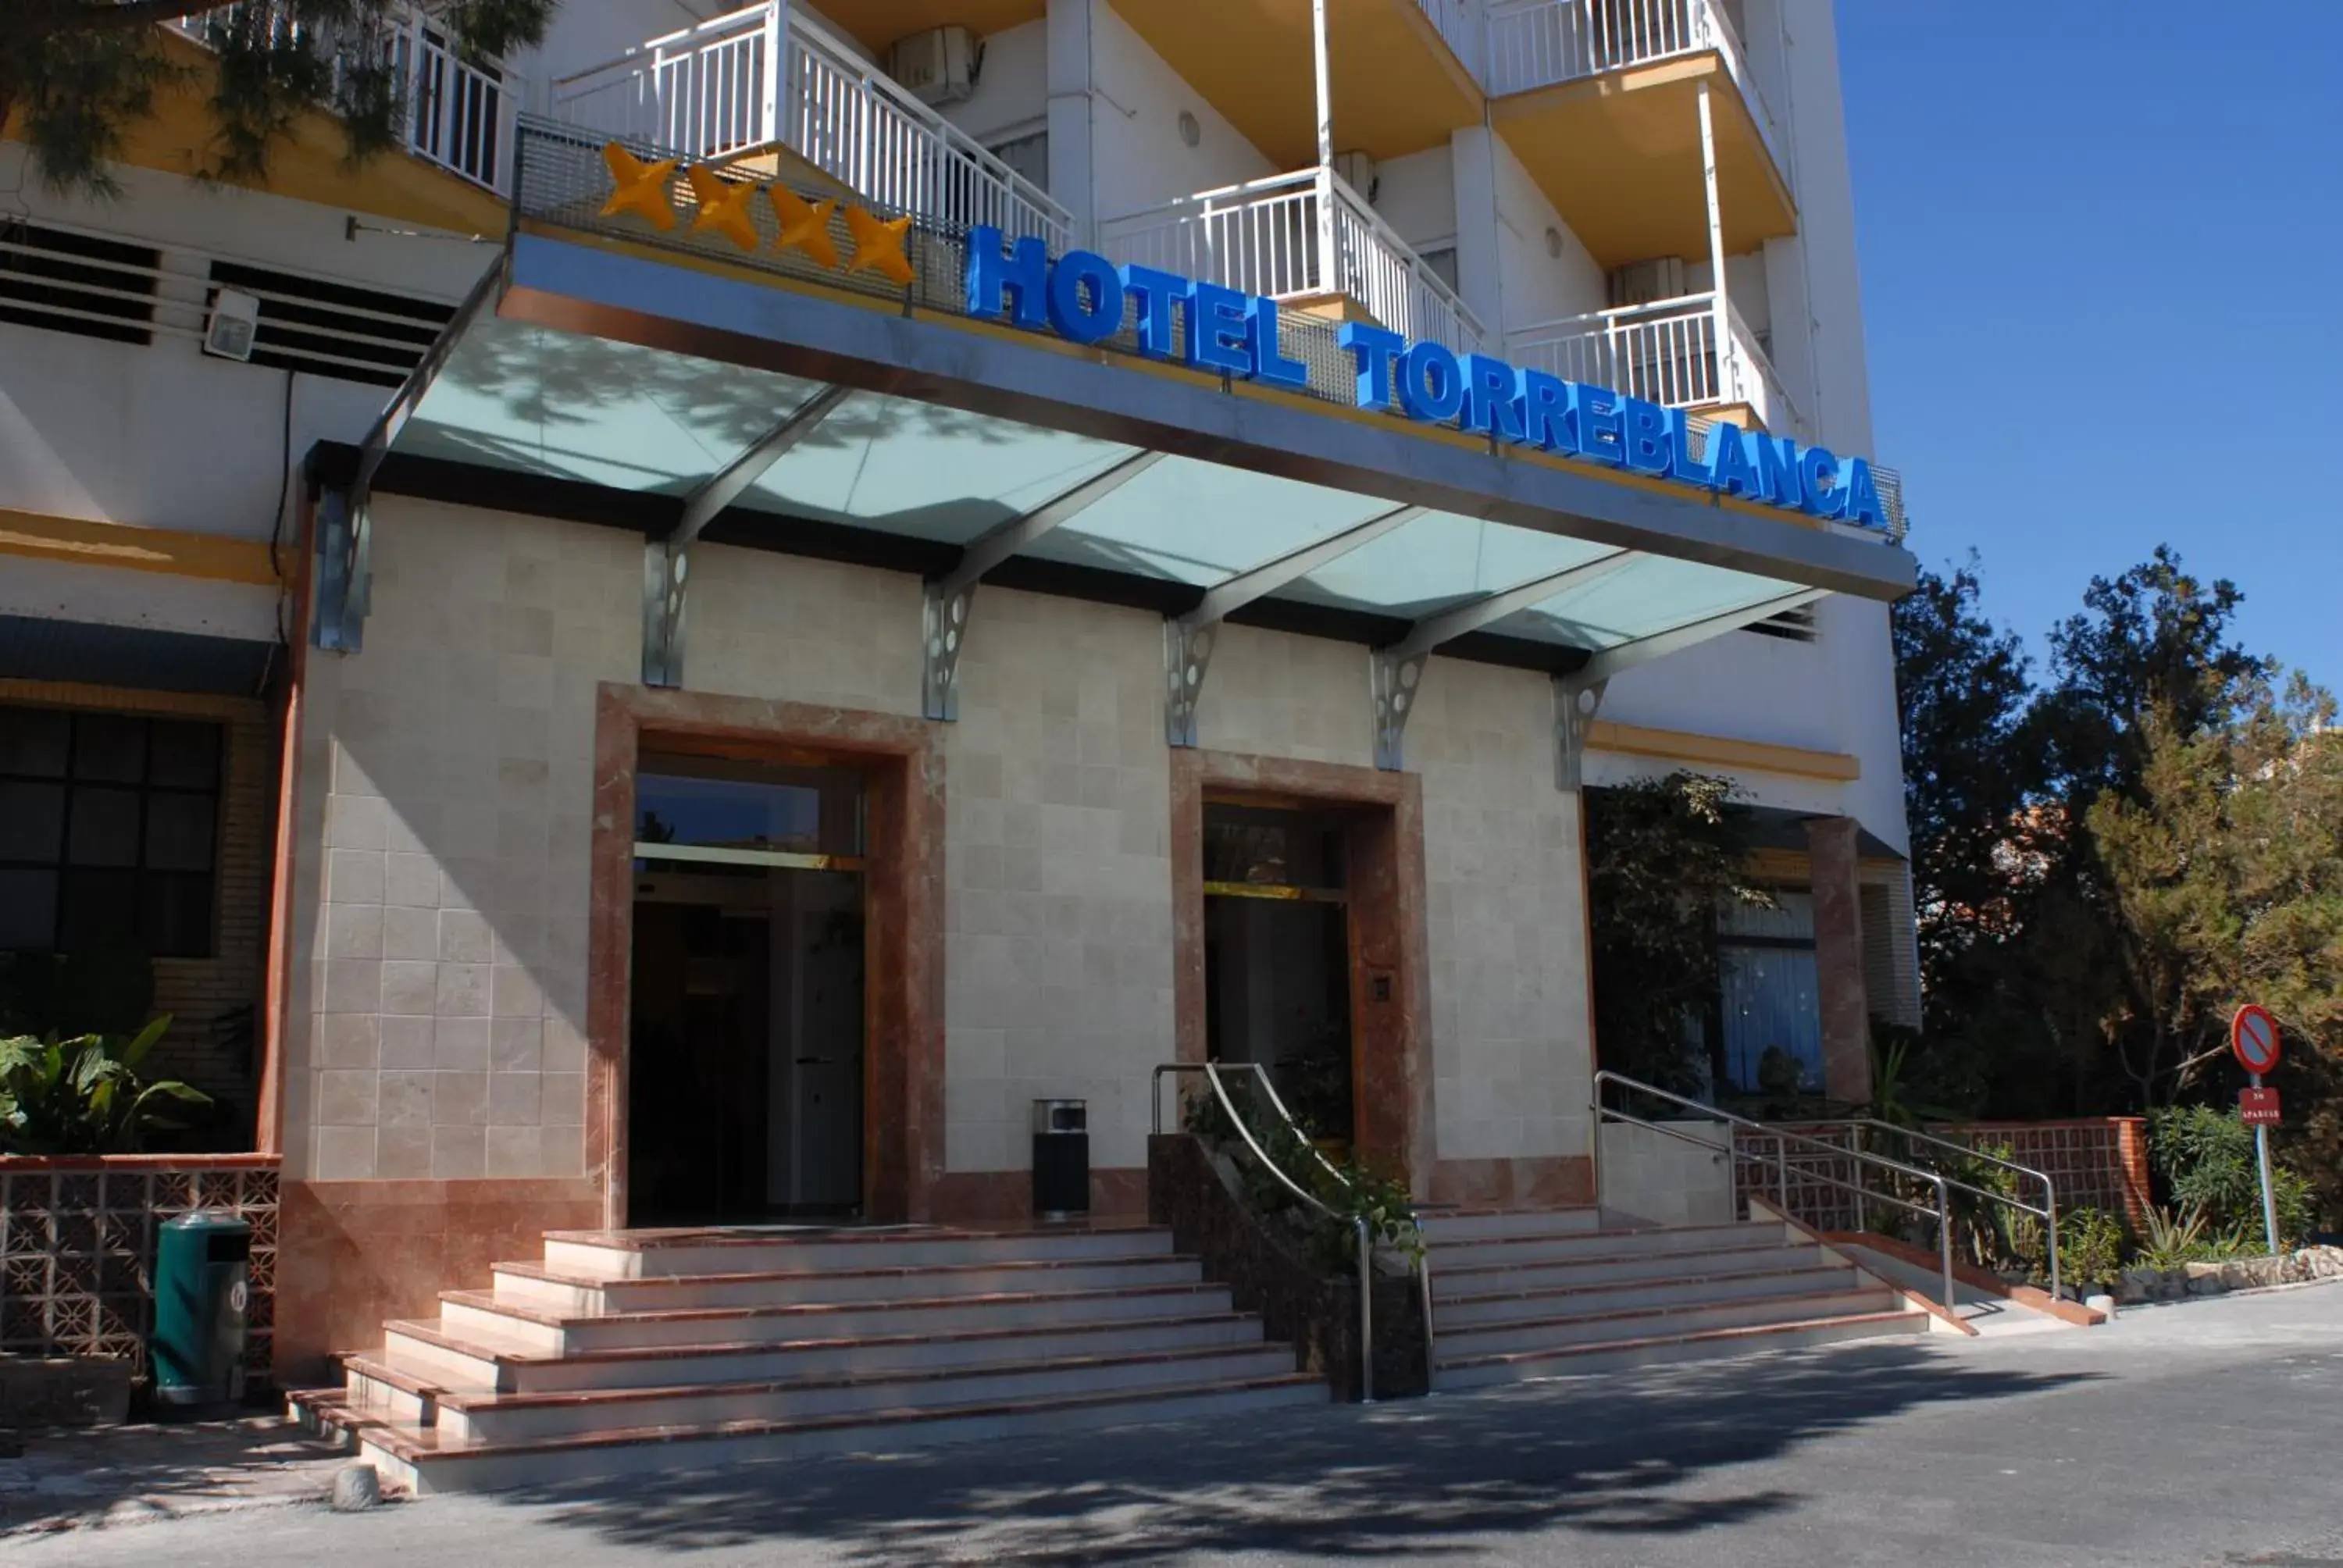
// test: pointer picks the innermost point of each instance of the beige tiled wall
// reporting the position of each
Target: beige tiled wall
(1505, 924)
(1058, 812)
(447, 789)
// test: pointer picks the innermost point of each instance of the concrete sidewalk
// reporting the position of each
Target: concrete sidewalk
(129, 1474)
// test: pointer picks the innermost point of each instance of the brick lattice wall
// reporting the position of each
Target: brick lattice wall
(77, 1248)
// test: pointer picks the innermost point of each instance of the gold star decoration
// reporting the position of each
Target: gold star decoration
(879, 244)
(724, 206)
(805, 225)
(638, 186)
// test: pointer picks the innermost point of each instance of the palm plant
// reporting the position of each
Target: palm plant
(84, 1095)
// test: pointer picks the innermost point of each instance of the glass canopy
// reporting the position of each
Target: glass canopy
(536, 401)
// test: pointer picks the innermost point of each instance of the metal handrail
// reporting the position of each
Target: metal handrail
(1211, 1071)
(1942, 1211)
(2048, 1212)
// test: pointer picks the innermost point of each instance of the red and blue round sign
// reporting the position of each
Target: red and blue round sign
(2253, 1035)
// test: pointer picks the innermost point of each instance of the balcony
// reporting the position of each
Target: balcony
(1666, 353)
(768, 84)
(1307, 239)
(1401, 73)
(457, 116)
(1600, 101)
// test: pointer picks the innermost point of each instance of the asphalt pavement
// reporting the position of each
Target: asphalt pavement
(2203, 1433)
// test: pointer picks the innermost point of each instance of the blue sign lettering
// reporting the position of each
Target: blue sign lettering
(1085, 299)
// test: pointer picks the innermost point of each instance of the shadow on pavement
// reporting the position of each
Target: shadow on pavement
(1641, 1452)
(124, 1474)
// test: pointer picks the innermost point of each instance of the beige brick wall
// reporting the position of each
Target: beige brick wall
(442, 948)
(197, 993)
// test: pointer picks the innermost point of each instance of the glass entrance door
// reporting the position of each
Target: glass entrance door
(746, 1085)
(1277, 957)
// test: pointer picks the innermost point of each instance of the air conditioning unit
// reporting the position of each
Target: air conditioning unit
(937, 66)
(1358, 171)
(1643, 282)
(234, 321)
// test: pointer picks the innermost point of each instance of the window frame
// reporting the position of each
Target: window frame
(62, 866)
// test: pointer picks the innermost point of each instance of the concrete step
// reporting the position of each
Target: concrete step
(1613, 1355)
(469, 1417)
(1442, 1226)
(507, 1326)
(1504, 1302)
(421, 1352)
(782, 1249)
(1450, 1281)
(1537, 1333)
(551, 1290)
(418, 1457)
(1678, 1241)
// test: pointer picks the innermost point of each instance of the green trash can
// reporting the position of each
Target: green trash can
(202, 1286)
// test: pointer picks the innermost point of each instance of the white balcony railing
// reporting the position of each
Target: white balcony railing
(766, 76)
(1536, 43)
(458, 116)
(1459, 25)
(1271, 236)
(1664, 353)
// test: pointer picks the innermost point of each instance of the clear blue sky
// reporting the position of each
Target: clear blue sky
(2102, 260)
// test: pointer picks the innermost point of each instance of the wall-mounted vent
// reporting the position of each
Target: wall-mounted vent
(331, 328)
(67, 282)
(1790, 625)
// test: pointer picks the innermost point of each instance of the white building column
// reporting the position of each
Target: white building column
(1069, 107)
(1720, 310)
(1473, 156)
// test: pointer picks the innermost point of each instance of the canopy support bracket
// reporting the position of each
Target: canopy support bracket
(1576, 701)
(1394, 679)
(944, 607)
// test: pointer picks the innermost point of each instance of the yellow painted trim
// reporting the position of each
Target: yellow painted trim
(1724, 751)
(91, 542)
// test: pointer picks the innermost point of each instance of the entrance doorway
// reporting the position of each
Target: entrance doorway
(745, 1091)
(1278, 957)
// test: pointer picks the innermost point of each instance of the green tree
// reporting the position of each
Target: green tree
(76, 75)
(1963, 690)
(1663, 856)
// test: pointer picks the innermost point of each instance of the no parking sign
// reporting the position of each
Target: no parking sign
(2253, 1035)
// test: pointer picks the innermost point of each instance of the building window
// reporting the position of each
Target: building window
(1770, 999)
(109, 830)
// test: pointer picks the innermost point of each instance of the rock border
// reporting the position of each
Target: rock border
(2300, 1267)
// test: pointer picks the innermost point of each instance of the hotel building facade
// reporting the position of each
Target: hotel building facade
(671, 681)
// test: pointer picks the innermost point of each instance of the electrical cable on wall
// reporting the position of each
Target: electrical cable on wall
(284, 645)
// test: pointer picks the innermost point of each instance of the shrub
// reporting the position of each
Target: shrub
(2205, 1158)
(2091, 1248)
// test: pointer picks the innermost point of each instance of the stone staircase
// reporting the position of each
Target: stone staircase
(1533, 1293)
(626, 1352)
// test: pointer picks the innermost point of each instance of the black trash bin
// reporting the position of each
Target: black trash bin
(203, 1264)
(1061, 1159)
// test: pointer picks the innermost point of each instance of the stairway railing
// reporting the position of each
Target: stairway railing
(2047, 1213)
(1211, 1071)
(1862, 1159)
